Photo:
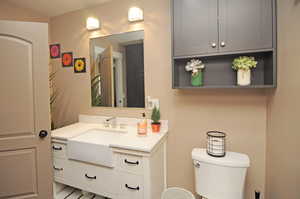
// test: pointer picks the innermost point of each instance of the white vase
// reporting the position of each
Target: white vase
(244, 77)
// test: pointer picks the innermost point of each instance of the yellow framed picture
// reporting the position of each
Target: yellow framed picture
(79, 65)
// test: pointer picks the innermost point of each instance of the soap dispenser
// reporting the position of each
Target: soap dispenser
(142, 125)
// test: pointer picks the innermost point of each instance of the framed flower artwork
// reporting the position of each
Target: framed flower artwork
(67, 59)
(79, 65)
(54, 51)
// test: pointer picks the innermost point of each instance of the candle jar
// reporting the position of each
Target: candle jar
(216, 144)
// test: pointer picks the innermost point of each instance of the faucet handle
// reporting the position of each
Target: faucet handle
(106, 124)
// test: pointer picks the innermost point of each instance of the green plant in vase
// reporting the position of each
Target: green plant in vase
(243, 66)
(196, 67)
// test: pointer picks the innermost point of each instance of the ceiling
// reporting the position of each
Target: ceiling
(51, 8)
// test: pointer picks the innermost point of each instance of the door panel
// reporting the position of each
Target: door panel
(19, 165)
(195, 27)
(245, 25)
(25, 158)
(22, 111)
(106, 77)
(135, 75)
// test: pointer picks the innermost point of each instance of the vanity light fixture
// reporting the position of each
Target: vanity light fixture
(92, 23)
(135, 14)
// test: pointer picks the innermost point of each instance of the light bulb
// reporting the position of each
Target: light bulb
(135, 14)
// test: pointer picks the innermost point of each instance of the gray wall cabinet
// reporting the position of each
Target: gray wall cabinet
(245, 25)
(218, 31)
(217, 26)
(195, 27)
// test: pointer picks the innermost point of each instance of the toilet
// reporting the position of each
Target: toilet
(220, 178)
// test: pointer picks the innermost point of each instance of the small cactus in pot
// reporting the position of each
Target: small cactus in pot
(155, 120)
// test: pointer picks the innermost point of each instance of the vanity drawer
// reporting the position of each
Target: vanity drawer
(130, 186)
(130, 163)
(60, 168)
(59, 150)
(95, 179)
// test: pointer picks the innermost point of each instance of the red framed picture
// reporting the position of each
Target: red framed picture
(79, 65)
(55, 51)
(67, 59)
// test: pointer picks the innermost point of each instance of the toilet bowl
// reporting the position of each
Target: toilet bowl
(220, 178)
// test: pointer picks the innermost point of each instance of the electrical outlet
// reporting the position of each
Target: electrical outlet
(155, 103)
(152, 102)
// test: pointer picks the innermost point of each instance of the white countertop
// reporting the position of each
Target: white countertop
(129, 140)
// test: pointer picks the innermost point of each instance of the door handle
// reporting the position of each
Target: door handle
(43, 134)
(197, 164)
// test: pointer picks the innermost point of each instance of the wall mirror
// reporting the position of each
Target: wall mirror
(117, 70)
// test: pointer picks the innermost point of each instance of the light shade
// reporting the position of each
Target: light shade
(135, 14)
(92, 23)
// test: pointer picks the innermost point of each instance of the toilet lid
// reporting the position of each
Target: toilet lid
(232, 159)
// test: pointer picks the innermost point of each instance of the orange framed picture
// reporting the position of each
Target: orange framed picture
(67, 59)
(79, 65)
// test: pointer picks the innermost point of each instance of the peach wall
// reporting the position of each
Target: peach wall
(240, 113)
(11, 12)
(283, 163)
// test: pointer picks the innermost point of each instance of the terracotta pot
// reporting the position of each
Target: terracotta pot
(155, 127)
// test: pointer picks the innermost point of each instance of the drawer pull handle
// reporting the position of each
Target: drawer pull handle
(90, 177)
(57, 169)
(57, 148)
(132, 188)
(128, 162)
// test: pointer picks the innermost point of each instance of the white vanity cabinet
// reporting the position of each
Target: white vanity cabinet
(135, 175)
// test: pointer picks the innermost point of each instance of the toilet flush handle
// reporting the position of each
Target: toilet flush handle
(196, 164)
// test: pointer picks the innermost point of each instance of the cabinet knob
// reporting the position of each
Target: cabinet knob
(132, 188)
(213, 45)
(133, 163)
(91, 177)
(57, 169)
(56, 148)
(223, 44)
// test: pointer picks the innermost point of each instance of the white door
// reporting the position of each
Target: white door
(25, 155)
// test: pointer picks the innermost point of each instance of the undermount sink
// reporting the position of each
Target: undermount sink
(93, 146)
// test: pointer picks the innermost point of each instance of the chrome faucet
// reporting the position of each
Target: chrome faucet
(112, 121)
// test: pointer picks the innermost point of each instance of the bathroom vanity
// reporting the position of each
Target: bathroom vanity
(113, 162)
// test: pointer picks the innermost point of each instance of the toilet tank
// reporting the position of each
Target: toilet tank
(220, 178)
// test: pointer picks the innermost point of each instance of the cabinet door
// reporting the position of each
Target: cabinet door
(245, 25)
(195, 27)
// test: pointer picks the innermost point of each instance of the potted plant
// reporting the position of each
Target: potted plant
(243, 66)
(96, 87)
(53, 96)
(155, 120)
(196, 67)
